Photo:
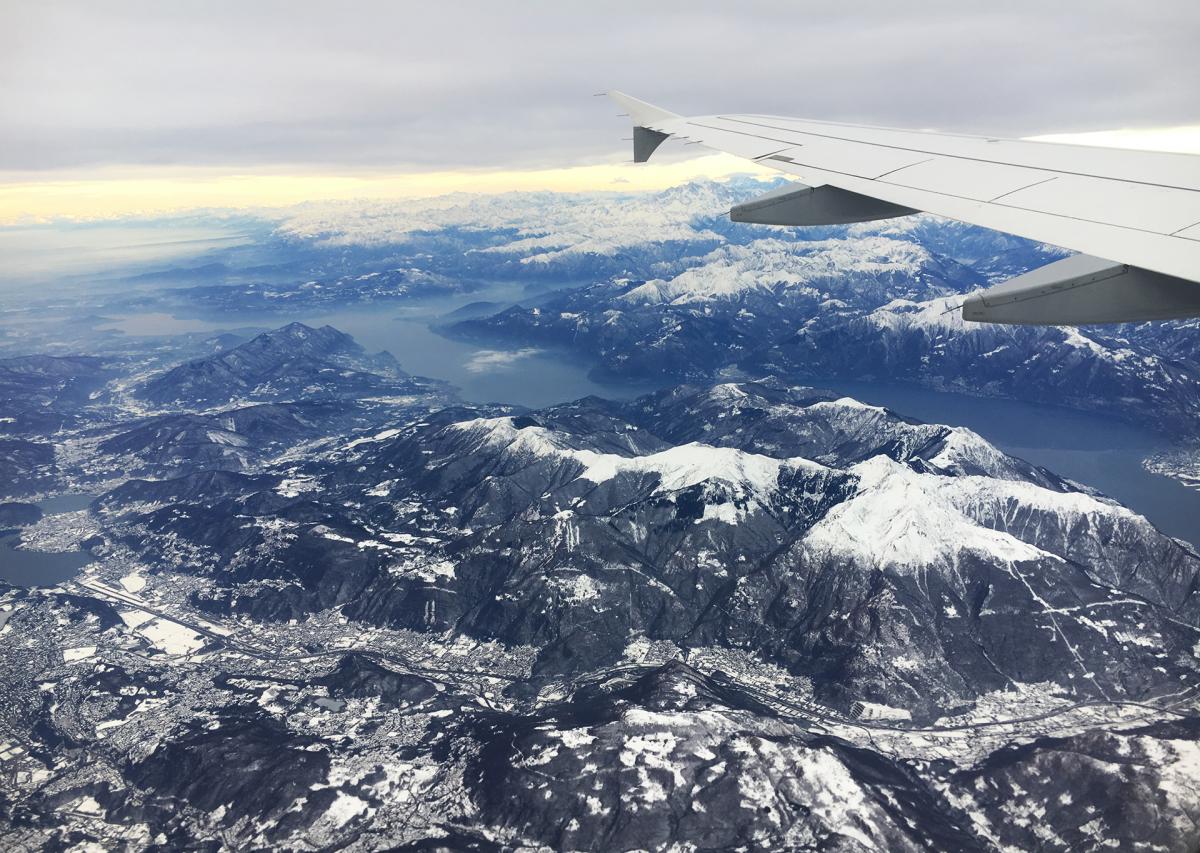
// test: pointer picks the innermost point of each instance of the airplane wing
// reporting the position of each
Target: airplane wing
(1133, 216)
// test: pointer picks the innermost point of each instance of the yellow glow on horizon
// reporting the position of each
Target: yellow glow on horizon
(1180, 140)
(147, 191)
(120, 192)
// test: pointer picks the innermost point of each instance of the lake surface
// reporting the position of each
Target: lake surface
(65, 503)
(1093, 449)
(38, 568)
(519, 375)
(41, 568)
(1090, 449)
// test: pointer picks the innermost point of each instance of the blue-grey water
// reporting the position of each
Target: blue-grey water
(520, 375)
(65, 503)
(38, 568)
(41, 568)
(1103, 453)
(1090, 449)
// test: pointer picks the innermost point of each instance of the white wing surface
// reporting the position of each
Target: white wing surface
(1135, 213)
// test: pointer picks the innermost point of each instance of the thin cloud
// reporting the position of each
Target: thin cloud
(481, 85)
(494, 361)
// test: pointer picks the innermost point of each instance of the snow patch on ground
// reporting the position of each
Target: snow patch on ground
(936, 315)
(875, 711)
(295, 486)
(649, 756)
(578, 589)
(134, 618)
(171, 637)
(576, 738)
(133, 583)
(430, 572)
(78, 653)
(379, 436)
(344, 808)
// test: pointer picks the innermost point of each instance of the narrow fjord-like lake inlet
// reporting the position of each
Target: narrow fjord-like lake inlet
(1091, 449)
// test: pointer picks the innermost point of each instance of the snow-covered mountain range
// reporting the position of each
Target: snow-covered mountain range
(745, 613)
(672, 289)
(328, 604)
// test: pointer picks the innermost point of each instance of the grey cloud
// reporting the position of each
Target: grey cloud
(453, 84)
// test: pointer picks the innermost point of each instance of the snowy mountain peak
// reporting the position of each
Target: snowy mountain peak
(936, 314)
(771, 264)
(903, 520)
(676, 468)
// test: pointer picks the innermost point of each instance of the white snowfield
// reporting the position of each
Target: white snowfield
(964, 451)
(229, 439)
(905, 520)
(78, 653)
(548, 225)
(935, 315)
(685, 466)
(171, 637)
(897, 518)
(772, 264)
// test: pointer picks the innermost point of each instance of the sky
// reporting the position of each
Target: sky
(117, 107)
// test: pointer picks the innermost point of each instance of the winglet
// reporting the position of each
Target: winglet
(642, 113)
(645, 118)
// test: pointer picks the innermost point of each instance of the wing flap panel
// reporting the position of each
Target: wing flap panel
(968, 178)
(848, 158)
(1147, 208)
(1146, 167)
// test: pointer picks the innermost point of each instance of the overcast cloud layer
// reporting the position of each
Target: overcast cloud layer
(450, 85)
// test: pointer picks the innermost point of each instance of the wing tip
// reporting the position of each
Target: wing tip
(643, 114)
